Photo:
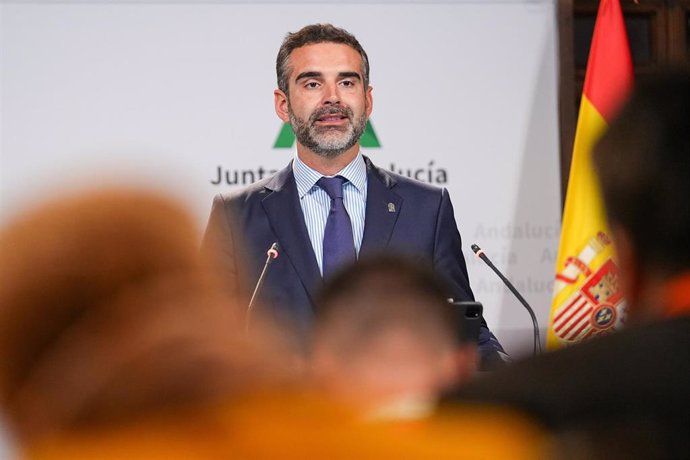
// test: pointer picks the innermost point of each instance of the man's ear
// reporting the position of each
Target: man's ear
(281, 104)
(370, 101)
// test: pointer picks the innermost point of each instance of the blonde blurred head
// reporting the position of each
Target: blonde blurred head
(107, 310)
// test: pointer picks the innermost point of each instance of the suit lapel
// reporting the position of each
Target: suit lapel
(285, 216)
(383, 208)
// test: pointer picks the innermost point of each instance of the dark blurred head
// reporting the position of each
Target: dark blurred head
(384, 329)
(643, 163)
(380, 292)
(107, 311)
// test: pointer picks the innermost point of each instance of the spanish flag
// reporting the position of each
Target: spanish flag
(586, 298)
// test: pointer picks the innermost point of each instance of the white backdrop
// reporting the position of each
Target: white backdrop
(165, 93)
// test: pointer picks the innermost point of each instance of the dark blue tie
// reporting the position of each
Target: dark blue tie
(338, 242)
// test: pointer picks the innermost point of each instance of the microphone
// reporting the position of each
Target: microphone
(271, 254)
(480, 254)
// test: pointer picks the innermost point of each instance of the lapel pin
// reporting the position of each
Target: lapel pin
(391, 207)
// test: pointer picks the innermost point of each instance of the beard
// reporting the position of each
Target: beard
(328, 141)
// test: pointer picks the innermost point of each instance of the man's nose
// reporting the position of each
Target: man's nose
(331, 95)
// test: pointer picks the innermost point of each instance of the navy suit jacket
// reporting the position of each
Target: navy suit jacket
(244, 224)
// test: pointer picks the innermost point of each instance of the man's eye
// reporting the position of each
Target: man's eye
(347, 83)
(312, 84)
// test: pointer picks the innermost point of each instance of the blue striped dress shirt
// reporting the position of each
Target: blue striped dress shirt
(316, 203)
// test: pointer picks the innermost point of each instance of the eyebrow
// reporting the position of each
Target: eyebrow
(349, 75)
(314, 74)
(311, 74)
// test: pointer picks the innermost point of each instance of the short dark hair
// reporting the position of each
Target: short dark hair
(386, 291)
(643, 164)
(312, 34)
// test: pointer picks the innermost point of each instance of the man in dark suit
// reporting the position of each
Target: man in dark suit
(323, 91)
(627, 395)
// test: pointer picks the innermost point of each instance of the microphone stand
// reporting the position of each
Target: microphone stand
(537, 343)
(271, 254)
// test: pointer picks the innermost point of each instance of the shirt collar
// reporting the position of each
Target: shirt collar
(306, 178)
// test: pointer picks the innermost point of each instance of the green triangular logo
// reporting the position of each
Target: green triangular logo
(369, 139)
(286, 138)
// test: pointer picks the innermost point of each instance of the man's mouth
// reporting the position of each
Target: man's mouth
(331, 118)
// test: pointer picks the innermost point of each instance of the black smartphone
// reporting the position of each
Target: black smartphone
(469, 319)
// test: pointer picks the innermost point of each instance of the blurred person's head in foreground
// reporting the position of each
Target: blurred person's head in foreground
(107, 311)
(643, 164)
(386, 339)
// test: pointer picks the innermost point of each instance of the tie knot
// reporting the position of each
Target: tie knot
(333, 186)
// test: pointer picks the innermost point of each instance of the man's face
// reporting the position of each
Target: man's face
(328, 104)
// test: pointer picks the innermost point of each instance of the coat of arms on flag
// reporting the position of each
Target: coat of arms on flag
(596, 305)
